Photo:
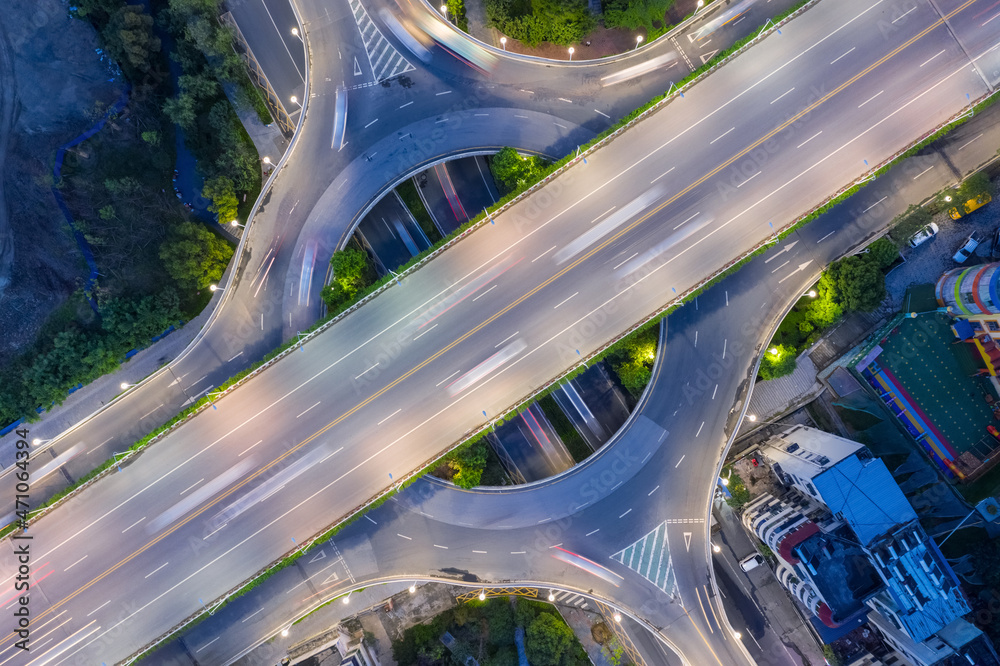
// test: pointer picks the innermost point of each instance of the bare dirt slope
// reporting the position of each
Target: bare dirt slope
(53, 84)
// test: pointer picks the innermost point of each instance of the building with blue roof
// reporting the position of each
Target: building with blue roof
(846, 535)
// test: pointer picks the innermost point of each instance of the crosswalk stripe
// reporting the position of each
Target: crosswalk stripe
(385, 61)
(650, 557)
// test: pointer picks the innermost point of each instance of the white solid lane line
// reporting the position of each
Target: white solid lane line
(480, 552)
(235, 357)
(207, 644)
(903, 15)
(157, 569)
(366, 372)
(782, 95)
(923, 172)
(825, 237)
(441, 547)
(248, 448)
(662, 175)
(390, 416)
(781, 266)
(594, 532)
(731, 129)
(872, 206)
(133, 524)
(634, 255)
(406, 105)
(543, 254)
(484, 293)
(624, 514)
(966, 144)
(870, 98)
(259, 610)
(679, 462)
(749, 179)
(564, 300)
(425, 332)
(446, 379)
(371, 123)
(686, 221)
(932, 57)
(317, 404)
(699, 429)
(652, 491)
(507, 339)
(99, 607)
(74, 564)
(603, 114)
(404, 536)
(844, 55)
(194, 484)
(809, 139)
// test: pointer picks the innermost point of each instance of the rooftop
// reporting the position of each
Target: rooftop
(840, 571)
(861, 491)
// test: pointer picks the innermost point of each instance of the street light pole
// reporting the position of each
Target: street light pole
(503, 43)
(638, 40)
(571, 54)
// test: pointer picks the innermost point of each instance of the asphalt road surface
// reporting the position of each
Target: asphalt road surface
(316, 434)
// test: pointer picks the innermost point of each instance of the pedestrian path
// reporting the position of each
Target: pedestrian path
(384, 60)
(650, 558)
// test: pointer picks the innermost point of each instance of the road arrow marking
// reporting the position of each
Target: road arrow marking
(687, 541)
(781, 251)
(801, 268)
(357, 67)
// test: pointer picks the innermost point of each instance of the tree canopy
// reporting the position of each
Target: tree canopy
(513, 171)
(194, 256)
(858, 282)
(223, 196)
(548, 641)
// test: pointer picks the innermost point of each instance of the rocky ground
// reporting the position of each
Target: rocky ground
(54, 83)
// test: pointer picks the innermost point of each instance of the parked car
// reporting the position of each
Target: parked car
(967, 249)
(925, 234)
(969, 206)
(751, 562)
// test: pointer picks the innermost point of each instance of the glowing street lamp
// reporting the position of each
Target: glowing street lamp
(295, 31)
(503, 43)
(571, 49)
(267, 160)
(214, 287)
(638, 40)
(552, 595)
(773, 351)
(482, 595)
(295, 100)
(701, 3)
(236, 223)
(715, 548)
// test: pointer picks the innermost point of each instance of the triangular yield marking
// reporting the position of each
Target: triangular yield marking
(687, 541)
(705, 57)
(318, 556)
(332, 578)
(357, 67)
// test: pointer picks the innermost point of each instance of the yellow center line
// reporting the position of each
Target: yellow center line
(494, 317)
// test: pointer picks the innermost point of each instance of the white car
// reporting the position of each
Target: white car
(925, 234)
(751, 562)
(967, 249)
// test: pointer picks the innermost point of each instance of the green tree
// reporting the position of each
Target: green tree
(194, 256)
(632, 359)
(883, 252)
(548, 641)
(182, 111)
(514, 171)
(152, 137)
(129, 39)
(824, 310)
(224, 202)
(859, 283)
(975, 185)
(500, 618)
(635, 14)
(468, 464)
(778, 361)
